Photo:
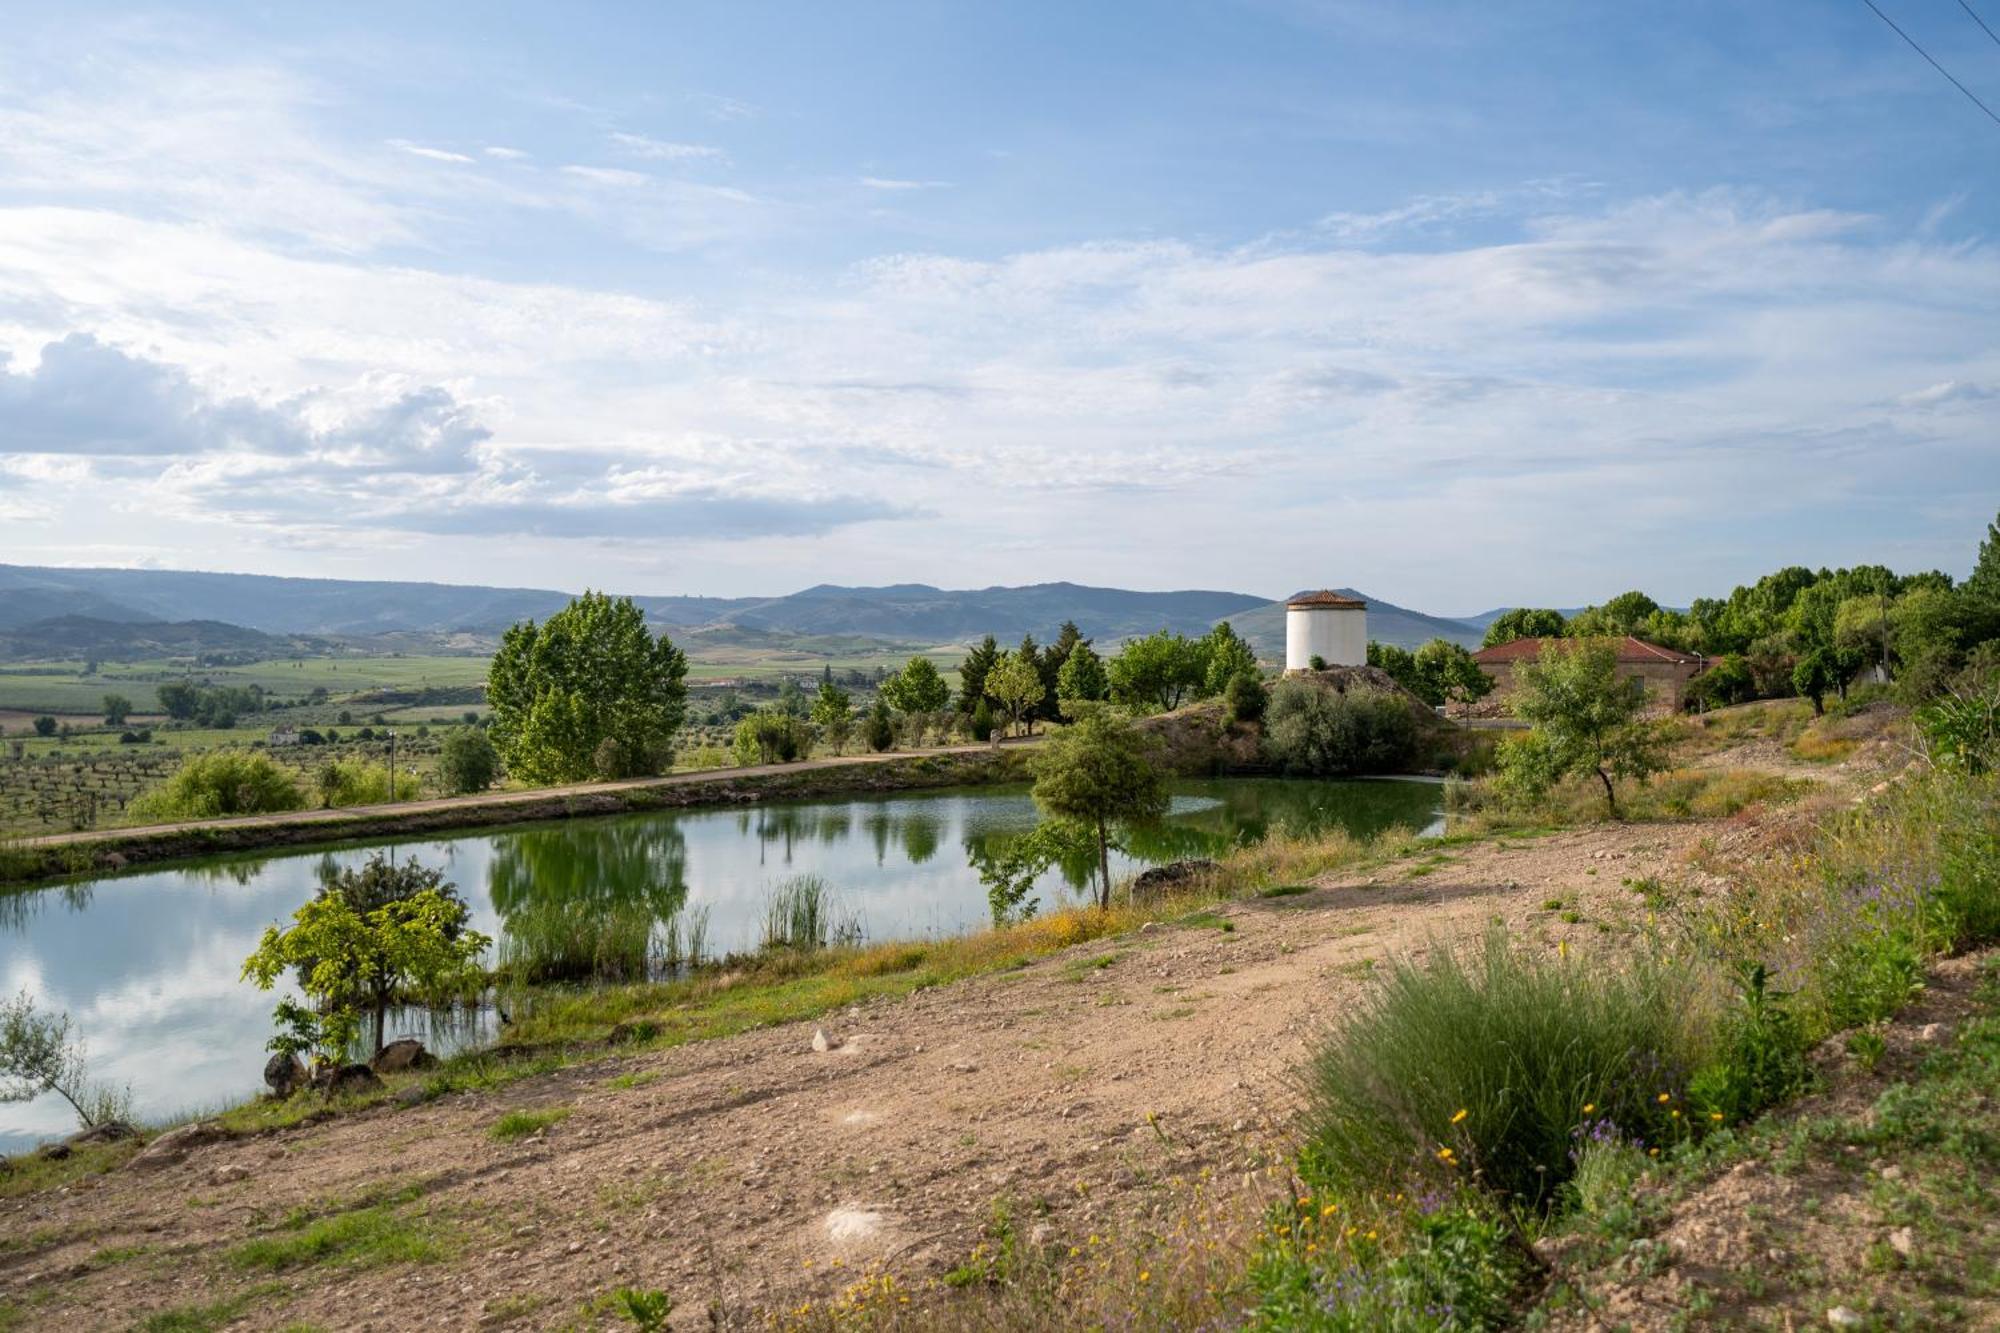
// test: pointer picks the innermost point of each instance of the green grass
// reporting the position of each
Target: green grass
(516, 1125)
(1284, 890)
(363, 1238)
(209, 1316)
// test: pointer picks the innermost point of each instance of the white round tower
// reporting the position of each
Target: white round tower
(1326, 625)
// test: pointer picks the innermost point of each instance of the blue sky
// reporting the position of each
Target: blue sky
(1460, 304)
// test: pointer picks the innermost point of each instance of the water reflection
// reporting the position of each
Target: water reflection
(147, 963)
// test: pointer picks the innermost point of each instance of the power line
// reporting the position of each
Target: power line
(1980, 21)
(1972, 96)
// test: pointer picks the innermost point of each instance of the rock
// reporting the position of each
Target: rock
(228, 1174)
(1903, 1240)
(284, 1074)
(1163, 879)
(53, 1151)
(111, 1131)
(401, 1055)
(170, 1147)
(338, 1080)
(823, 1043)
(1892, 1173)
(1842, 1316)
(1931, 1032)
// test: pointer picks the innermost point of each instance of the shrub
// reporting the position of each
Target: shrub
(982, 722)
(353, 782)
(1312, 730)
(1498, 1063)
(467, 762)
(45, 726)
(1246, 697)
(221, 782)
(1762, 1056)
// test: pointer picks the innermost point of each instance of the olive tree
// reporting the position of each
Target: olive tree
(38, 1055)
(588, 693)
(1585, 720)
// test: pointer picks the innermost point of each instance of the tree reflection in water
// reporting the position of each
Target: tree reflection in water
(584, 901)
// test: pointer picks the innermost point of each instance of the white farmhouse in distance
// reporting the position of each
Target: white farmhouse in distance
(1326, 625)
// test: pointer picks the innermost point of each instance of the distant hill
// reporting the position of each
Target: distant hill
(86, 637)
(910, 612)
(1264, 626)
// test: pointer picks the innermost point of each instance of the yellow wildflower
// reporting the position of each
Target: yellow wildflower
(1462, 1113)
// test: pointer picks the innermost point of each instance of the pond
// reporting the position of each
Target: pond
(147, 964)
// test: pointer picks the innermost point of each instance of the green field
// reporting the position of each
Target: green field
(63, 688)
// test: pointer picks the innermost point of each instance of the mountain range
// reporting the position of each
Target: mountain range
(38, 603)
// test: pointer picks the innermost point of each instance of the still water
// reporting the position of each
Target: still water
(147, 964)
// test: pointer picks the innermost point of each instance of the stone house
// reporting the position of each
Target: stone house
(1666, 671)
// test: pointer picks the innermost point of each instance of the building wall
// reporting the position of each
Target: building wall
(1337, 634)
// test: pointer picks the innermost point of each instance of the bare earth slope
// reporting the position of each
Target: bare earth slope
(735, 1173)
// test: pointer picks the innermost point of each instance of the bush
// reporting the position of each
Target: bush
(351, 782)
(221, 782)
(1762, 1060)
(982, 721)
(1246, 697)
(45, 726)
(1315, 731)
(467, 762)
(882, 727)
(1499, 1064)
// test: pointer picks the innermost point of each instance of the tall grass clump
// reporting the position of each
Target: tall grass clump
(220, 782)
(1495, 1065)
(802, 915)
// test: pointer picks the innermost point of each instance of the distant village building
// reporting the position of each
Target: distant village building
(284, 736)
(1665, 671)
(1328, 625)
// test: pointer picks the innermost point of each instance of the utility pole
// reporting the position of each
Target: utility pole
(392, 767)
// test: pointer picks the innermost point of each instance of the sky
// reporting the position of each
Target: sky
(1464, 305)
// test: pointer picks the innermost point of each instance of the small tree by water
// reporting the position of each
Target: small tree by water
(1101, 774)
(372, 938)
(38, 1055)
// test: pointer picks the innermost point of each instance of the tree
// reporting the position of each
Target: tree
(1448, 674)
(1400, 663)
(981, 722)
(592, 672)
(38, 1055)
(1101, 774)
(1155, 673)
(1814, 676)
(116, 709)
(972, 673)
(1227, 657)
(1584, 719)
(918, 688)
(467, 762)
(1082, 679)
(45, 726)
(791, 699)
(833, 713)
(220, 782)
(1524, 622)
(1983, 584)
(882, 728)
(382, 935)
(772, 736)
(1054, 658)
(1017, 683)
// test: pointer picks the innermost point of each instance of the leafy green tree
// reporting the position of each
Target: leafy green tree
(972, 673)
(982, 722)
(372, 938)
(116, 709)
(220, 782)
(833, 713)
(1584, 719)
(918, 688)
(1524, 622)
(1054, 658)
(1983, 585)
(1082, 679)
(1016, 682)
(1156, 673)
(791, 699)
(771, 736)
(45, 726)
(591, 673)
(1101, 774)
(1226, 656)
(1448, 674)
(1400, 663)
(467, 761)
(1622, 615)
(882, 728)
(1813, 677)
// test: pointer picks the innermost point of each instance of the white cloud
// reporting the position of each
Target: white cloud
(891, 184)
(425, 151)
(504, 154)
(616, 177)
(639, 145)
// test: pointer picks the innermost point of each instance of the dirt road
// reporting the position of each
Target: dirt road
(751, 1173)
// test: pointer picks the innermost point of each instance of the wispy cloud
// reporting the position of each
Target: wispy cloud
(503, 153)
(617, 177)
(639, 145)
(892, 183)
(425, 150)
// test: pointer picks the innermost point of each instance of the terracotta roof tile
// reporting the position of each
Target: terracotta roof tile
(1630, 650)
(1327, 598)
